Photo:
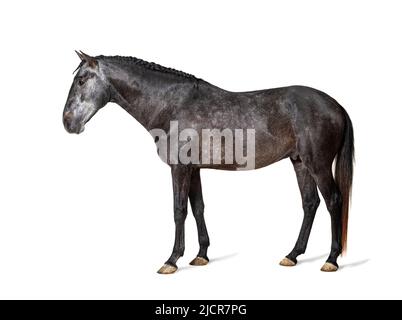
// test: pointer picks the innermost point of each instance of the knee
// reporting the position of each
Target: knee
(180, 214)
(198, 209)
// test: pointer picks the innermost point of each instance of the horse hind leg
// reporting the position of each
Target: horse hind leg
(310, 201)
(333, 200)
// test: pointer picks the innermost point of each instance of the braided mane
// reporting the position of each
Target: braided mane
(148, 65)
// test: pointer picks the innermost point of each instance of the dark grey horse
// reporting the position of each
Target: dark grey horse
(296, 122)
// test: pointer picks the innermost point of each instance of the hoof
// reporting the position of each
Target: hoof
(167, 269)
(287, 263)
(199, 261)
(329, 267)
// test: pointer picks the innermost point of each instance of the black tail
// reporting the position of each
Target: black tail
(344, 175)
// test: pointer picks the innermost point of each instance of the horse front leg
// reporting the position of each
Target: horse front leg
(197, 206)
(181, 177)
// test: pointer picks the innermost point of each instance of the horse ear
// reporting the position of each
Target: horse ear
(92, 62)
(79, 55)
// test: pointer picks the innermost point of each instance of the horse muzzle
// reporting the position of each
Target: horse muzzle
(71, 125)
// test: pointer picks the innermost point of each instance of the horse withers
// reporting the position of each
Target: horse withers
(197, 125)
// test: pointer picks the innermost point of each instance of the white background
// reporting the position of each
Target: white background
(90, 216)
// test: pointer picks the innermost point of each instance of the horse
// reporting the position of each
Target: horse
(297, 122)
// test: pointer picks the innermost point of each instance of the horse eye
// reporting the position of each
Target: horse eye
(81, 82)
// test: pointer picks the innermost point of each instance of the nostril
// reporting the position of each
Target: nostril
(67, 119)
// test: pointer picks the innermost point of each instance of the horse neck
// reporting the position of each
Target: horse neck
(142, 96)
